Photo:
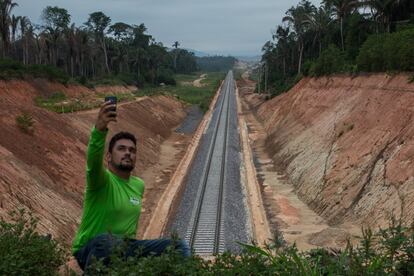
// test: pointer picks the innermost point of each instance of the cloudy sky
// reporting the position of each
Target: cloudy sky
(236, 27)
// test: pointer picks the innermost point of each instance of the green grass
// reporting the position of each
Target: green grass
(58, 102)
(187, 77)
(201, 96)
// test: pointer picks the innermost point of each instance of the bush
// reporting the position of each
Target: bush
(388, 52)
(166, 76)
(282, 86)
(12, 69)
(46, 71)
(331, 60)
(25, 123)
(127, 78)
(388, 252)
(371, 54)
(24, 251)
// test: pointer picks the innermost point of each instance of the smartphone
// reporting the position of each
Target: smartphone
(113, 101)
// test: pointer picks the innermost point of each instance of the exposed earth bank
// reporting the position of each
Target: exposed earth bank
(344, 145)
(45, 172)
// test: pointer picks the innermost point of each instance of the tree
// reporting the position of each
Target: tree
(14, 24)
(25, 29)
(341, 9)
(97, 24)
(382, 11)
(296, 17)
(56, 21)
(121, 31)
(176, 52)
(123, 37)
(282, 37)
(6, 7)
(319, 22)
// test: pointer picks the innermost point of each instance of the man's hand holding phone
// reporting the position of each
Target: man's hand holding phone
(107, 113)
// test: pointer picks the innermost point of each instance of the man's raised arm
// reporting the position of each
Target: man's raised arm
(95, 171)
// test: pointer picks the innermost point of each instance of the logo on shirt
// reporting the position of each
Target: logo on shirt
(134, 200)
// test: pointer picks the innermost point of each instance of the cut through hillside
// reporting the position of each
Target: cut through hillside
(345, 147)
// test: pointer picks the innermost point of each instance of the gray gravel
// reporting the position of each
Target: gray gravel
(190, 123)
(235, 217)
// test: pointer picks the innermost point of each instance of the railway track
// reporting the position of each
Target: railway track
(205, 232)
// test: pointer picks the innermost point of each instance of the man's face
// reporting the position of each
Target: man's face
(123, 155)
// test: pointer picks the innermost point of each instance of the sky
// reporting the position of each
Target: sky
(223, 27)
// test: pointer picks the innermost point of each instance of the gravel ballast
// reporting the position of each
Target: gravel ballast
(235, 216)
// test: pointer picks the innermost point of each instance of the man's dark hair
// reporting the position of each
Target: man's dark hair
(119, 136)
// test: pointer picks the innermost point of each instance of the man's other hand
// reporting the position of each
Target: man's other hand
(106, 115)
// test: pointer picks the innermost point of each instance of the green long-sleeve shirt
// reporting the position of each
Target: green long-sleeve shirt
(111, 204)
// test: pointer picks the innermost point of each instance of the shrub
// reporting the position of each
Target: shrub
(166, 76)
(387, 252)
(388, 52)
(331, 60)
(127, 78)
(11, 69)
(25, 123)
(46, 71)
(370, 56)
(24, 251)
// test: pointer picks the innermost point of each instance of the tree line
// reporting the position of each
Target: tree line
(216, 63)
(338, 36)
(96, 49)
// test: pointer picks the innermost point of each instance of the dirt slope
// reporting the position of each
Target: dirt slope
(346, 144)
(45, 171)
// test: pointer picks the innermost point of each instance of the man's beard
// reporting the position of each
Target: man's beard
(123, 167)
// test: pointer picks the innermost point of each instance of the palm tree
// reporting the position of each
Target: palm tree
(341, 9)
(282, 37)
(71, 39)
(319, 22)
(25, 27)
(14, 24)
(382, 11)
(175, 45)
(296, 16)
(6, 7)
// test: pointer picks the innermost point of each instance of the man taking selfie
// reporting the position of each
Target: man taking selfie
(113, 197)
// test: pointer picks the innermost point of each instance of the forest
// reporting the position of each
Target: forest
(339, 36)
(98, 49)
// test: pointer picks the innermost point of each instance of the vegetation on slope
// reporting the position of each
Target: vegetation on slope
(339, 36)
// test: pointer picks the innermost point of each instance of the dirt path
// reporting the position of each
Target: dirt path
(94, 110)
(285, 211)
(197, 82)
